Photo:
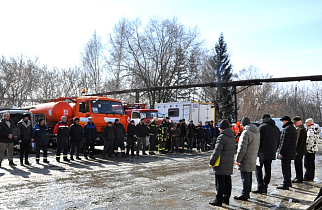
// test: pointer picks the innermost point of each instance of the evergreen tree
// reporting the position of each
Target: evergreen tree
(222, 71)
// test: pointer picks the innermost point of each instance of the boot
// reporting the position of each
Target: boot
(91, 155)
(66, 159)
(37, 160)
(45, 160)
(27, 163)
(11, 163)
(71, 158)
(78, 158)
(21, 162)
(58, 159)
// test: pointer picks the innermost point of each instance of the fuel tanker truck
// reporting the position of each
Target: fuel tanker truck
(102, 109)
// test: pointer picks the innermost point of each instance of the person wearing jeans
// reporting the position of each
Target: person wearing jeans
(142, 133)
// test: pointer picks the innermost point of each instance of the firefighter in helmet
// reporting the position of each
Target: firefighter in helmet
(163, 136)
(153, 134)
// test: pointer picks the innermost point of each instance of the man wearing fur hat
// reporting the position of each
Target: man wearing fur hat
(313, 132)
(25, 137)
(300, 149)
(287, 150)
(248, 146)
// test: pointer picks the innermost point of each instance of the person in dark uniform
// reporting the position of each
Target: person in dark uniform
(142, 134)
(109, 136)
(131, 138)
(119, 138)
(90, 134)
(76, 137)
(200, 136)
(153, 128)
(175, 135)
(183, 134)
(25, 137)
(163, 136)
(170, 125)
(208, 134)
(41, 139)
(62, 132)
(191, 135)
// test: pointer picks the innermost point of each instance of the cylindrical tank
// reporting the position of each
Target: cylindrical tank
(53, 111)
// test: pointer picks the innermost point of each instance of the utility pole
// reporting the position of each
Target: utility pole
(235, 95)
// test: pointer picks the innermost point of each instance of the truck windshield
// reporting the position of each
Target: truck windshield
(148, 114)
(107, 107)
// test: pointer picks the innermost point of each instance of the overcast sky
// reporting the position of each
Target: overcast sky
(283, 38)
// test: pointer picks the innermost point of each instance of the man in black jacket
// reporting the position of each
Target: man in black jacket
(62, 132)
(119, 138)
(109, 136)
(269, 141)
(200, 136)
(191, 135)
(41, 139)
(183, 135)
(90, 134)
(142, 133)
(287, 150)
(76, 137)
(7, 130)
(131, 138)
(25, 137)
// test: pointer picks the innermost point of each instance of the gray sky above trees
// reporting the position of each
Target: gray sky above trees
(282, 38)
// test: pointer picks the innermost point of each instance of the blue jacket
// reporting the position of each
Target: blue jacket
(90, 133)
(208, 133)
(40, 135)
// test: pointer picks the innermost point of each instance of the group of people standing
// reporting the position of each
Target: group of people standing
(164, 137)
(257, 147)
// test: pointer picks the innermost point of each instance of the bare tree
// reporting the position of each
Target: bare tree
(157, 54)
(93, 63)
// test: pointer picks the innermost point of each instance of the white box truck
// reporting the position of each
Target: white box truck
(188, 110)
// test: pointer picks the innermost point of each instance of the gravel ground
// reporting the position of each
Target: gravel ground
(174, 181)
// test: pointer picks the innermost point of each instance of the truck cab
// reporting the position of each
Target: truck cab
(102, 109)
(138, 114)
